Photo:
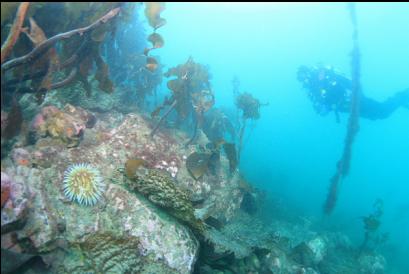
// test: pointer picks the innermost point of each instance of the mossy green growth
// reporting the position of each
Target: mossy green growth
(110, 253)
(160, 189)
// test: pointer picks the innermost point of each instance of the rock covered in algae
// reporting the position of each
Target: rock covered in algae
(128, 236)
(372, 264)
(124, 234)
(108, 253)
(15, 197)
(164, 245)
(65, 125)
(76, 94)
(161, 190)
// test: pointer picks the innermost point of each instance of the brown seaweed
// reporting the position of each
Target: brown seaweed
(152, 13)
(48, 62)
(230, 150)
(156, 40)
(15, 120)
(15, 30)
(197, 164)
(343, 165)
(132, 165)
(250, 109)
(41, 49)
(191, 93)
(249, 105)
(80, 49)
(102, 74)
(162, 190)
(151, 64)
(5, 194)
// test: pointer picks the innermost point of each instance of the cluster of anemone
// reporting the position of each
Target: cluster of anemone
(84, 184)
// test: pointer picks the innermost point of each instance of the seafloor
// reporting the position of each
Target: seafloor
(90, 185)
(127, 233)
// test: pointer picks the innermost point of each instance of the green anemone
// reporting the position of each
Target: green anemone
(83, 183)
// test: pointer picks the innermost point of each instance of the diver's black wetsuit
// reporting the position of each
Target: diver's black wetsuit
(329, 91)
(373, 110)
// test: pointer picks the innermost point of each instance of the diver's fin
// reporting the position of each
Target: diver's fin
(403, 97)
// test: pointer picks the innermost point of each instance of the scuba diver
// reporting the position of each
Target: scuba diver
(331, 91)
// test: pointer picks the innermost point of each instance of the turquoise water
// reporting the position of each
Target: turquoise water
(292, 151)
(116, 157)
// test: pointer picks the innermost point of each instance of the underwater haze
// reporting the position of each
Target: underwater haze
(292, 151)
(205, 138)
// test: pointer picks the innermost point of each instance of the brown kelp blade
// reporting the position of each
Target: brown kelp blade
(332, 194)
(176, 85)
(230, 150)
(15, 121)
(35, 34)
(7, 46)
(197, 164)
(131, 166)
(156, 40)
(146, 51)
(151, 64)
(343, 164)
(152, 13)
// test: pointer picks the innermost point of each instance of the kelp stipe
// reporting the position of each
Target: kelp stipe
(353, 121)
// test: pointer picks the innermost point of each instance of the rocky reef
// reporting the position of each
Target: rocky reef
(144, 224)
(164, 194)
(66, 125)
(249, 245)
(124, 232)
(161, 189)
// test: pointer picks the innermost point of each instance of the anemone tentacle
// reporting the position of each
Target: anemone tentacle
(83, 183)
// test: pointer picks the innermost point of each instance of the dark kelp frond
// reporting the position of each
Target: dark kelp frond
(230, 150)
(343, 164)
(197, 164)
